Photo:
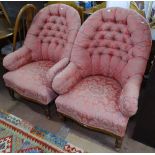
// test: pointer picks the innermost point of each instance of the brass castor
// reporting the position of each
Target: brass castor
(118, 144)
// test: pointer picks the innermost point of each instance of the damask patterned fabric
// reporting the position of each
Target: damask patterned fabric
(94, 102)
(114, 43)
(30, 81)
(49, 39)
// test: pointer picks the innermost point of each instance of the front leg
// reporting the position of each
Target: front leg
(118, 143)
(12, 93)
(48, 111)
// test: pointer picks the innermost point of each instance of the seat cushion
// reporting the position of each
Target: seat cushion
(94, 102)
(30, 81)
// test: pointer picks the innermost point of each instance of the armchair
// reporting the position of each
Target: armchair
(100, 86)
(45, 52)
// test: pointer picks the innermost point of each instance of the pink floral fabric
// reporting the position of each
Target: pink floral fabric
(17, 59)
(49, 39)
(113, 43)
(52, 33)
(30, 81)
(94, 102)
(129, 96)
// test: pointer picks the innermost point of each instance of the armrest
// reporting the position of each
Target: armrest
(66, 79)
(54, 70)
(129, 96)
(17, 59)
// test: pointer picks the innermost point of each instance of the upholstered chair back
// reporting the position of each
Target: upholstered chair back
(113, 42)
(52, 33)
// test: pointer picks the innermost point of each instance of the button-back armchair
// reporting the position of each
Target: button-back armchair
(100, 86)
(45, 52)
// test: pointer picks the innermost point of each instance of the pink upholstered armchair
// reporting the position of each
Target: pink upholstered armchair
(45, 52)
(100, 86)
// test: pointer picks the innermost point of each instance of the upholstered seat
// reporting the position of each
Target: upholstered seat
(100, 86)
(46, 51)
(30, 81)
(94, 102)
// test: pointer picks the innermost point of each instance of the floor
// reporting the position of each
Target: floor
(86, 139)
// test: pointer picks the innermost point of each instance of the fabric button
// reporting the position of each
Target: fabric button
(101, 37)
(119, 31)
(95, 46)
(58, 29)
(109, 29)
(100, 53)
(91, 38)
(113, 38)
(86, 46)
(124, 40)
(56, 43)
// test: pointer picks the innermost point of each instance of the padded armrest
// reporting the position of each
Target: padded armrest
(17, 59)
(66, 79)
(54, 70)
(129, 96)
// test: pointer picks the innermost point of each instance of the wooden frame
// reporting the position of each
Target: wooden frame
(45, 107)
(118, 141)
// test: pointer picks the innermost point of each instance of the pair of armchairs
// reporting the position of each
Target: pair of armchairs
(94, 71)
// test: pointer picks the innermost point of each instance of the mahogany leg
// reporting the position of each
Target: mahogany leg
(118, 143)
(62, 117)
(48, 111)
(12, 94)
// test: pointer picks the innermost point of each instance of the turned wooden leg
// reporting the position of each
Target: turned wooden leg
(11, 92)
(48, 111)
(118, 143)
(62, 117)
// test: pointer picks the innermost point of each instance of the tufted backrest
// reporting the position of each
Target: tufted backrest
(52, 32)
(113, 42)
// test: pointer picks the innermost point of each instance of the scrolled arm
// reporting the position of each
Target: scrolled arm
(129, 96)
(66, 79)
(54, 70)
(17, 59)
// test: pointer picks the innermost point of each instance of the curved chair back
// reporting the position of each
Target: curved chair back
(72, 4)
(113, 42)
(52, 32)
(23, 22)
